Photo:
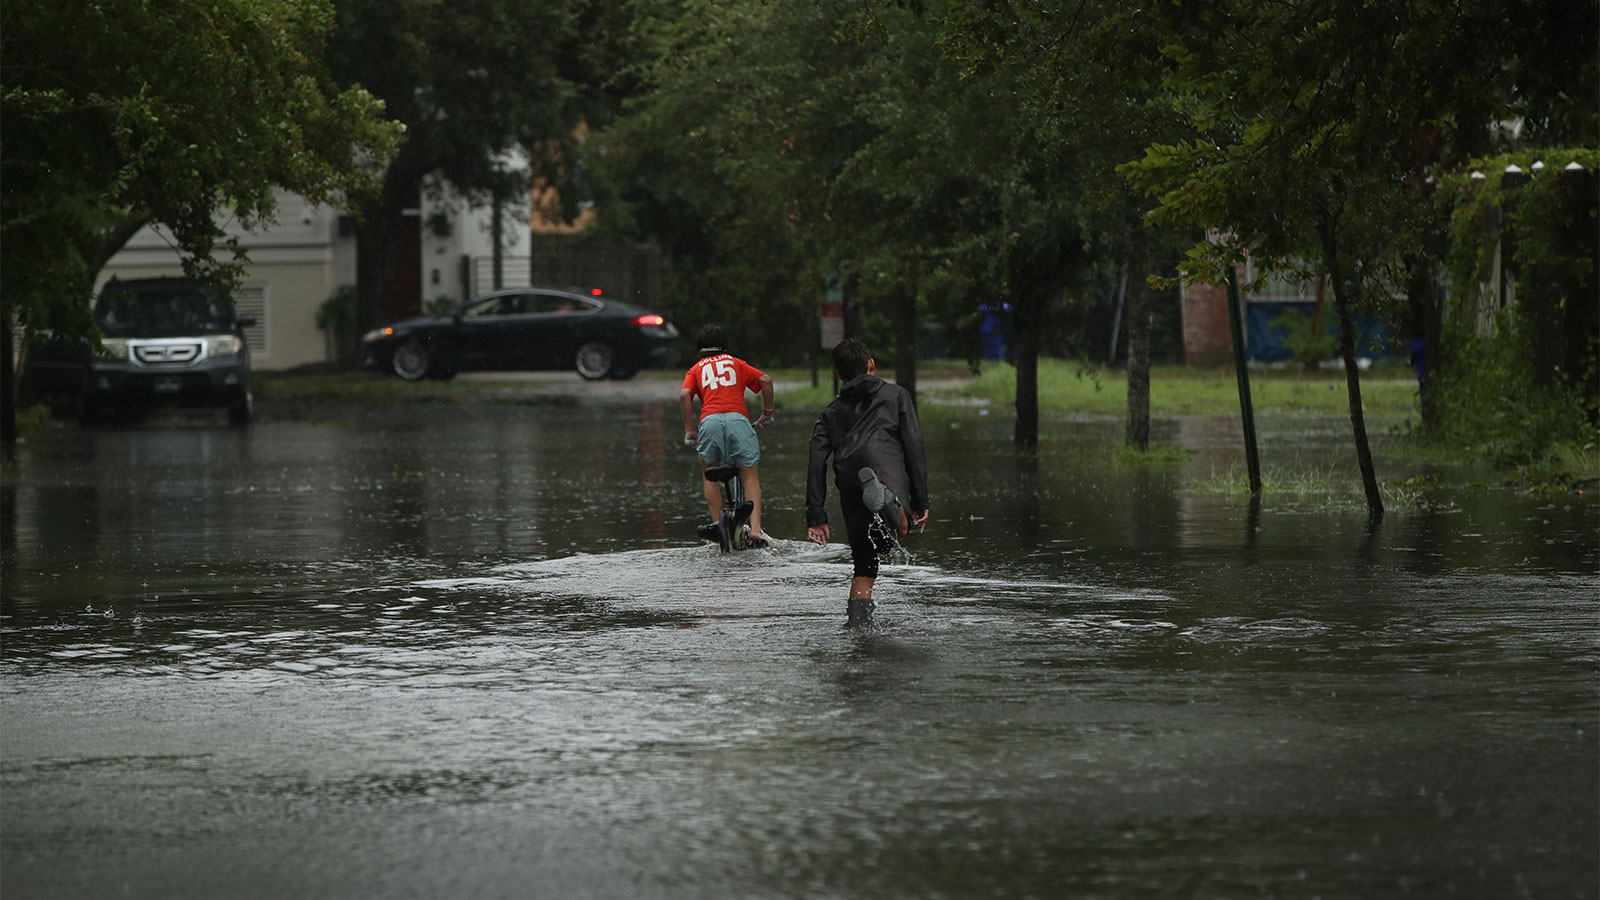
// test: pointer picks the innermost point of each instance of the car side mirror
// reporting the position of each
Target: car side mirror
(244, 321)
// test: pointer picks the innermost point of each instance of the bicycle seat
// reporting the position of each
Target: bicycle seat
(721, 473)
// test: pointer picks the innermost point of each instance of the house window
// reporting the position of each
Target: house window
(1280, 288)
(251, 300)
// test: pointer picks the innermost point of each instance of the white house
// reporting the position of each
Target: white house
(309, 253)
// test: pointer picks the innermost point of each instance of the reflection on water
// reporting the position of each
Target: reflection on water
(473, 652)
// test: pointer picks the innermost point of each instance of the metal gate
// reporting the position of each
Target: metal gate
(631, 273)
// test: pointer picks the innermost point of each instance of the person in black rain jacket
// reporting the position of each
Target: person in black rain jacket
(872, 435)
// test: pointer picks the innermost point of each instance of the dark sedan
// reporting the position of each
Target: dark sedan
(525, 328)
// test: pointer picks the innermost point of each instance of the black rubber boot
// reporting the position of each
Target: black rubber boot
(860, 615)
(877, 498)
(880, 500)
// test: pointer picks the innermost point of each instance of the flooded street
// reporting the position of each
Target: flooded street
(475, 651)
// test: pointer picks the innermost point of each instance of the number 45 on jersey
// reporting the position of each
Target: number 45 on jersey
(720, 373)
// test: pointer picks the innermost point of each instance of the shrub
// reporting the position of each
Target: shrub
(1309, 340)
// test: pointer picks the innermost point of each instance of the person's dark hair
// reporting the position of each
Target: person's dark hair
(712, 337)
(850, 358)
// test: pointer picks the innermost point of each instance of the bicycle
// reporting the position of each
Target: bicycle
(733, 526)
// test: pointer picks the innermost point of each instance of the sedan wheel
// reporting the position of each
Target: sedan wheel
(594, 360)
(411, 360)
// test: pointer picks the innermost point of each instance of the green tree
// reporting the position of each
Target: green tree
(688, 166)
(1518, 345)
(889, 165)
(1305, 120)
(119, 114)
(1090, 77)
(475, 83)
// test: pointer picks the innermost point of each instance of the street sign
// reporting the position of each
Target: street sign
(832, 324)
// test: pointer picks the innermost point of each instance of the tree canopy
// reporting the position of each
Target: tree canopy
(476, 83)
(118, 114)
(1315, 128)
(882, 158)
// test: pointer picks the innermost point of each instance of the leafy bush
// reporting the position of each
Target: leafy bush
(1489, 402)
(1309, 340)
(32, 419)
(338, 313)
(336, 317)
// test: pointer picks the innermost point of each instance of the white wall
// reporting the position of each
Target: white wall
(300, 260)
(292, 271)
(470, 234)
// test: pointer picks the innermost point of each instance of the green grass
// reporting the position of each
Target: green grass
(1566, 467)
(1065, 386)
(1326, 486)
(1154, 456)
(805, 398)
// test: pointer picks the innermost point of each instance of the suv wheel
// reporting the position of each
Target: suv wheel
(242, 408)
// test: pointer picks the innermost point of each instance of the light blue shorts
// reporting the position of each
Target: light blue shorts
(728, 438)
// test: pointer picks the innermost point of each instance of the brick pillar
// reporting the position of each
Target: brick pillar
(1206, 338)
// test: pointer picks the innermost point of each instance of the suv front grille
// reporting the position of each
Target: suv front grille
(166, 353)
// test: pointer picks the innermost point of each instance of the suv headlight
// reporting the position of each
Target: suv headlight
(113, 348)
(224, 345)
(376, 334)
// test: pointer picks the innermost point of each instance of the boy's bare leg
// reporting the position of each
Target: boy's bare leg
(861, 588)
(713, 493)
(751, 480)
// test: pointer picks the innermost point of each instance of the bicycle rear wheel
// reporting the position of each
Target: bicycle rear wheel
(729, 526)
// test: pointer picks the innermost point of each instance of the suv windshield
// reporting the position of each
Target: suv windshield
(164, 310)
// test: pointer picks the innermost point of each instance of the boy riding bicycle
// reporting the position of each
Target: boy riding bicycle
(723, 434)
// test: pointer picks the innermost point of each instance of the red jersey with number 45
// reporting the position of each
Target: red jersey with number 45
(720, 382)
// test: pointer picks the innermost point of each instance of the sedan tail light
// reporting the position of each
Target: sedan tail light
(649, 320)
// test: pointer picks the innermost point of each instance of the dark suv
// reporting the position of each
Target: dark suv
(166, 340)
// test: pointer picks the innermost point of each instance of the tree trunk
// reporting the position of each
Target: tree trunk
(112, 240)
(8, 386)
(1138, 300)
(1310, 365)
(377, 250)
(905, 338)
(379, 233)
(1352, 374)
(1027, 320)
(1426, 329)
